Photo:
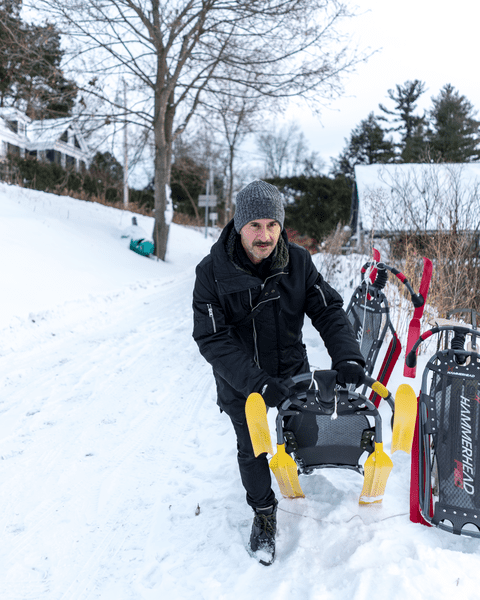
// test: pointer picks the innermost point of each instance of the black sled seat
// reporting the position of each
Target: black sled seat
(445, 482)
(323, 426)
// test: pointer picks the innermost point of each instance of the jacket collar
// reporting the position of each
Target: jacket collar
(231, 274)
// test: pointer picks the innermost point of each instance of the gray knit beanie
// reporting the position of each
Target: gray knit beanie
(258, 200)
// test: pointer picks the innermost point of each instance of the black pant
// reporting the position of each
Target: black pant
(255, 472)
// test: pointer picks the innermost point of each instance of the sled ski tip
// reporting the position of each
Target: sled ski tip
(404, 418)
(256, 413)
(286, 474)
(377, 469)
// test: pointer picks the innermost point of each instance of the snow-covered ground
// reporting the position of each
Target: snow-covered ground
(118, 474)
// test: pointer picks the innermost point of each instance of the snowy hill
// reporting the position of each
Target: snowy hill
(111, 442)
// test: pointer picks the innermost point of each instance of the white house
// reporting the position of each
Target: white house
(391, 198)
(13, 132)
(53, 140)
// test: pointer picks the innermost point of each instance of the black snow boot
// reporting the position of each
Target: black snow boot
(262, 538)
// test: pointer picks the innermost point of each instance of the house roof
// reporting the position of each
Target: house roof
(7, 132)
(425, 197)
(44, 134)
(10, 113)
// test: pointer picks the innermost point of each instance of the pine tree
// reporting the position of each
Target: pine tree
(316, 204)
(454, 134)
(31, 77)
(9, 64)
(411, 127)
(367, 145)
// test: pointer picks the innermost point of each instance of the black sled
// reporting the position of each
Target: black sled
(323, 425)
(445, 472)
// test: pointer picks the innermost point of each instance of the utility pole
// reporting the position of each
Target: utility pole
(208, 200)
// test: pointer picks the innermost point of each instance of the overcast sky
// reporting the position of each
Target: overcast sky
(435, 41)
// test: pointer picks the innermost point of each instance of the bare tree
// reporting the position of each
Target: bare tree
(176, 52)
(237, 122)
(425, 198)
(194, 158)
(232, 117)
(434, 210)
(285, 151)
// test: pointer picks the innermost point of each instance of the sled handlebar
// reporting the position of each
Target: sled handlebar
(411, 358)
(329, 378)
(325, 386)
(382, 277)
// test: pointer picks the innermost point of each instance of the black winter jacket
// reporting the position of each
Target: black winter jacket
(249, 329)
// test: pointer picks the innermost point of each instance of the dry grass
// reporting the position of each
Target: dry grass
(183, 219)
(455, 279)
(331, 251)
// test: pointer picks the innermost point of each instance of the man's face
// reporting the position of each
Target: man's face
(259, 238)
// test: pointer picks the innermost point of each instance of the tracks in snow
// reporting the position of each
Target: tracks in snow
(94, 410)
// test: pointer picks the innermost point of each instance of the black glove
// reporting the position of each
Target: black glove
(349, 371)
(274, 392)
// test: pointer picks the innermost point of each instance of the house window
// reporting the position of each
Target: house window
(70, 161)
(50, 155)
(13, 126)
(76, 142)
(13, 150)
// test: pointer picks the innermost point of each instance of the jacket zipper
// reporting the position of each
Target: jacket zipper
(319, 289)
(210, 314)
(277, 327)
(255, 347)
(256, 357)
(270, 276)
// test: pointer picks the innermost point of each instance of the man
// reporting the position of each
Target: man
(251, 294)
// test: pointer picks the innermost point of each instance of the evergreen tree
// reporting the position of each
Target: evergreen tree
(411, 127)
(316, 204)
(454, 134)
(105, 176)
(31, 78)
(9, 64)
(368, 145)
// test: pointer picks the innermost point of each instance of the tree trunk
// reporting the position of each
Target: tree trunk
(160, 230)
(229, 202)
(162, 128)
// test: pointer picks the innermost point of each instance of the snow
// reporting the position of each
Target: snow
(118, 474)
